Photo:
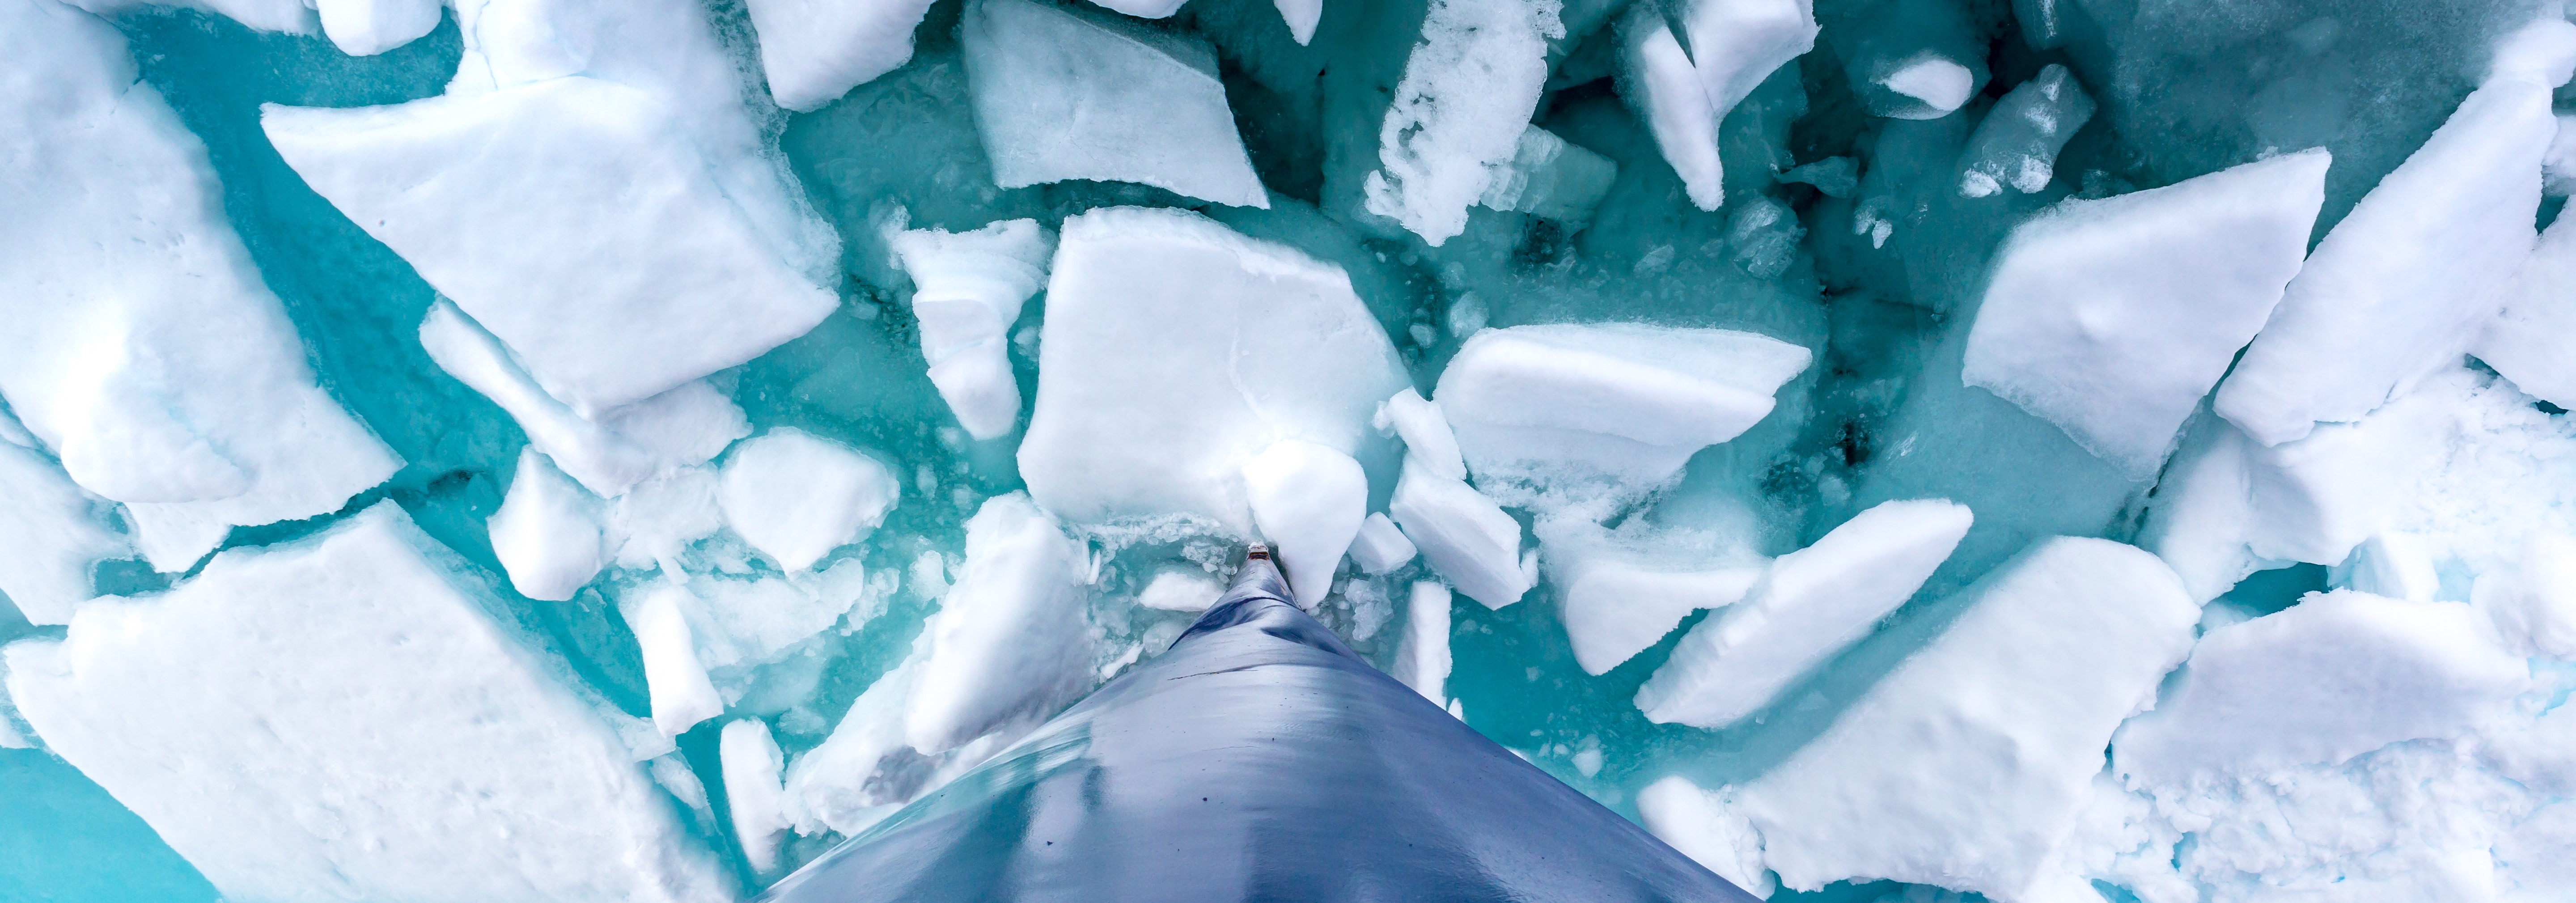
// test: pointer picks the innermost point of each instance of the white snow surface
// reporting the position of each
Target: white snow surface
(1620, 592)
(1468, 91)
(2335, 676)
(1810, 605)
(1380, 545)
(1592, 415)
(1463, 535)
(1061, 94)
(140, 343)
(1009, 644)
(1968, 766)
(1254, 343)
(968, 288)
(1308, 501)
(864, 769)
(51, 535)
(2112, 318)
(378, 734)
(682, 695)
(749, 758)
(547, 533)
(797, 497)
(2408, 280)
(574, 218)
(1701, 825)
(814, 51)
(370, 27)
(1734, 46)
(1422, 653)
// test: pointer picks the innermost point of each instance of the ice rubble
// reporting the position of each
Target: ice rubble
(1686, 92)
(1808, 605)
(1466, 98)
(1008, 643)
(967, 291)
(1256, 343)
(1060, 94)
(120, 267)
(1968, 765)
(796, 497)
(375, 729)
(2112, 318)
(815, 51)
(2526, 340)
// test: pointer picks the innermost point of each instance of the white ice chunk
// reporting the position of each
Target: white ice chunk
(2204, 512)
(1253, 343)
(814, 51)
(796, 497)
(2112, 318)
(2534, 606)
(573, 218)
(660, 518)
(547, 531)
(1699, 824)
(752, 764)
(1939, 84)
(864, 769)
(2527, 341)
(377, 733)
(1301, 16)
(51, 535)
(1811, 604)
(2404, 284)
(1422, 653)
(600, 459)
(2332, 677)
(1468, 91)
(1060, 95)
(1605, 410)
(1464, 535)
(1549, 178)
(288, 16)
(1425, 431)
(1009, 643)
(1620, 594)
(2016, 144)
(1734, 46)
(1181, 590)
(1380, 546)
(1309, 501)
(738, 622)
(1142, 9)
(968, 290)
(137, 339)
(1968, 765)
(687, 425)
(682, 694)
(370, 27)
(2395, 565)
(2316, 498)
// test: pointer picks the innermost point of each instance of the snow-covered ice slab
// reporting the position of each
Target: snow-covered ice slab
(1464, 535)
(1309, 501)
(1734, 45)
(137, 340)
(1253, 343)
(814, 51)
(341, 718)
(2332, 677)
(574, 218)
(2528, 340)
(1608, 411)
(1966, 767)
(1811, 604)
(968, 288)
(796, 497)
(2112, 318)
(1619, 593)
(1009, 645)
(1467, 95)
(2408, 280)
(51, 535)
(546, 533)
(1063, 94)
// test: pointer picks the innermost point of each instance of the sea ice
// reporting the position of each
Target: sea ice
(51, 535)
(1605, 411)
(574, 218)
(547, 532)
(1180, 590)
(1734, 45)
(1619, 593)
(1467, 95)
(1462, 534)
(1254, 343)
(1380, 545)
(2526, 340)
(1060, 94)
(600, 459)
(378, 734)
(752, 765)
(967, 291)
(2112, 318)
(814, 51)
(796, 497)
(1703, 827)
(2406, 282)
(287, 16)
(864, 768)
(1968, 765)
(1550, 179)
(1422, 654)
(2332, 677)
(1009, 643)
(682, 694)
(1809, 605)
(1425, 431)
(2017, 143)
(1937, 85)
(370, 27)
(142, 346)
(1309, 501)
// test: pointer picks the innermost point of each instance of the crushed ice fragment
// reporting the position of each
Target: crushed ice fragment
(1380, 545)
(796, 497)
(1684, 95)
(1009, 645)
(1462, 534)
(1308, 501)
(967, 291)
(681, 693)
(1701, 825)
(547, 532)
(814, 51)
(1422, 653)
(1180, 589)
(1460, 111)
(752, 765)
(370, 27)
(1619, 593)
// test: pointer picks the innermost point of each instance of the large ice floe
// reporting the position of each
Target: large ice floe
(1894, 451)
